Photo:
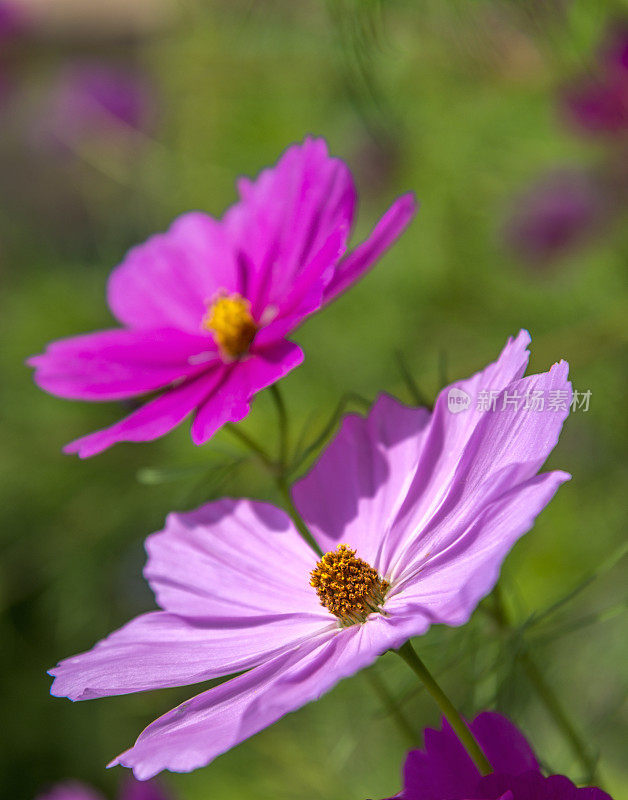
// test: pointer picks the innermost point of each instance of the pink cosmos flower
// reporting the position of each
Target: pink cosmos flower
(207, 306)
(426, 506)
(444, 771)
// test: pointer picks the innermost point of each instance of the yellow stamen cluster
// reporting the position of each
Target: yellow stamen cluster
(229, 319)
(348, 586)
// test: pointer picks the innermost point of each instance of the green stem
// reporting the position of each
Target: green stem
(284, 429)
(552, 704)
(300, 525)
(447, 707)
(281, 482)
(546, 694)
(388, 701)
(250, 442)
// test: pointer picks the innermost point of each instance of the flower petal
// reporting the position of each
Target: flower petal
(115, 364)
(202, 728)
(445, 442)
(354, 491)
(153, 419)
(169, 280)
(386, 232)
(448, 585)
(285, 216)
(444, 769)
(508, 446)
(307, 293)
(504, 745)
(232, 558)
(229, 401)
(533, 785)
(158, 650)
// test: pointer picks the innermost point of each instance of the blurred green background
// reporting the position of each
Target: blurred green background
(455, 100)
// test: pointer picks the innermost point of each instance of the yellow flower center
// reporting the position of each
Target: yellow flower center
(349, 587)
(229, 319)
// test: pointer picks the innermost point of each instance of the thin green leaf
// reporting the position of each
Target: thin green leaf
(328, 429)
(418, 398)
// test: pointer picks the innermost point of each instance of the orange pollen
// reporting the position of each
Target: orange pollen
(347, 586)
(229, 319)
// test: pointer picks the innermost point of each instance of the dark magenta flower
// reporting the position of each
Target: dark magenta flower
(555, 216)
(444, 771)
(597, 104)
(207, 306)
(428, 504)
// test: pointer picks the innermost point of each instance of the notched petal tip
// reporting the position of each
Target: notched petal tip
(523, 337)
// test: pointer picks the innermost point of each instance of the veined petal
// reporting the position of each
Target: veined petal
(229, 401)
(449, 583)
(153, 419)
(169, 280)
(285, 216)
(232, 558)
(356, 488)
(159, 649)
(444, 444)
(115, 364)
(306, 295)
(508, 446)
(194, 733)
(386, 232)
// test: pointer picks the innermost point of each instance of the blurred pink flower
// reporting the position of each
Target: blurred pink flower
(597, 104)
(12, 20)
(13, 23)
(444, 771)
(93, 101)
(429, 505)
(131, 790)
(208, 305)
(555, 216)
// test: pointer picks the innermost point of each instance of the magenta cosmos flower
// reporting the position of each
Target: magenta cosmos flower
(444, 771)
(131, 790)
(207, 306)
(414, 512)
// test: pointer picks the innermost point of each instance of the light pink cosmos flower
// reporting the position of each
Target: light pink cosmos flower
(207, 306)
(428, 504)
